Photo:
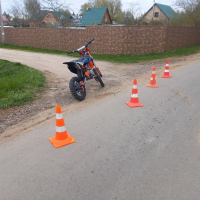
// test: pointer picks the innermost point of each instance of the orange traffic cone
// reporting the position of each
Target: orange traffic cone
(153, 79)
(166, 73)
(62, 138)
(134, 102)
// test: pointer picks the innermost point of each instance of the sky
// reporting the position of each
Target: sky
(76, 4)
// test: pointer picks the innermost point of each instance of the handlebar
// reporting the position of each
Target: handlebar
(89, 43)
(77, 51)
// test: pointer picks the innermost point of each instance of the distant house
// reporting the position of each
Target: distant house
(159, 12)
(47, 18)
(95, 16)
(5, 20)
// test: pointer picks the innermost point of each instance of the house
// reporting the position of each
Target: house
(5, 20)
(95, 16)
(159, 12)
(46, 18)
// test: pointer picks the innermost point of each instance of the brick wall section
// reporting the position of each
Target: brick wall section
(179, 37)
(144, 39)
(108, 39)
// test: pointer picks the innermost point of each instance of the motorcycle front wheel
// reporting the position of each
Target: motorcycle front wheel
(77, 91)
(98, 77)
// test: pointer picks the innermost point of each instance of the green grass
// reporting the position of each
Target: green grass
(19, 84)
(127, 59)
(116, 58)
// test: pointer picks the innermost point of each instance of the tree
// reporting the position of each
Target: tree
(134, 9)
(32, 8)
(19, 13)
(187, 5)
(190, 12)
(25, 11)
(54, 5)
(196, 15)
(65, 18)
(83, 8)
(130, 17)
(114, 7)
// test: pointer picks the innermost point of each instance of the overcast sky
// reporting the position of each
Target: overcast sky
(76, 4)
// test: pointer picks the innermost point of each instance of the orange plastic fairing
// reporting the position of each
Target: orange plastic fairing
(87, 74)
(88, 51)
(91, 65)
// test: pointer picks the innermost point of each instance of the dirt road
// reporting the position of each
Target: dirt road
(117, 77)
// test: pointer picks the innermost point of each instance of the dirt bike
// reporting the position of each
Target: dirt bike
(85, 69)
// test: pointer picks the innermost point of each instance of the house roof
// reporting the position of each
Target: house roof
(57, 15)
(93, 16)
(4, 19)
(167, 10)
(43, 13)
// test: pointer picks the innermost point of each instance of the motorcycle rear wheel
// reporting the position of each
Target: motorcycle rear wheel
(76, 90)
(98, 77)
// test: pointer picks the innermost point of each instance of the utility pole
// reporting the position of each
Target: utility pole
(2, 30)
(153, 9)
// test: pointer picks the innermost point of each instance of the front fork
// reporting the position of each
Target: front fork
(82, 84)
(92, 66)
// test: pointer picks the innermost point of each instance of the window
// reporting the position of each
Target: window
(156, 14)
(105, 19)
(49, 16)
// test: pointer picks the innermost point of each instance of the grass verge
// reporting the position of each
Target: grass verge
(116, 58)
(19, 84)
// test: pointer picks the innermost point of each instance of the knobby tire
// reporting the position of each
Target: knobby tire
(78, 94)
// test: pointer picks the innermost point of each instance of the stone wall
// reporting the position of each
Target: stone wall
(108, 39)
(179, 37)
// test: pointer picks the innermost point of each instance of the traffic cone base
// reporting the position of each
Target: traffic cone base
(60, 143)
(166, 76)
(155, 86)
(132, 105)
